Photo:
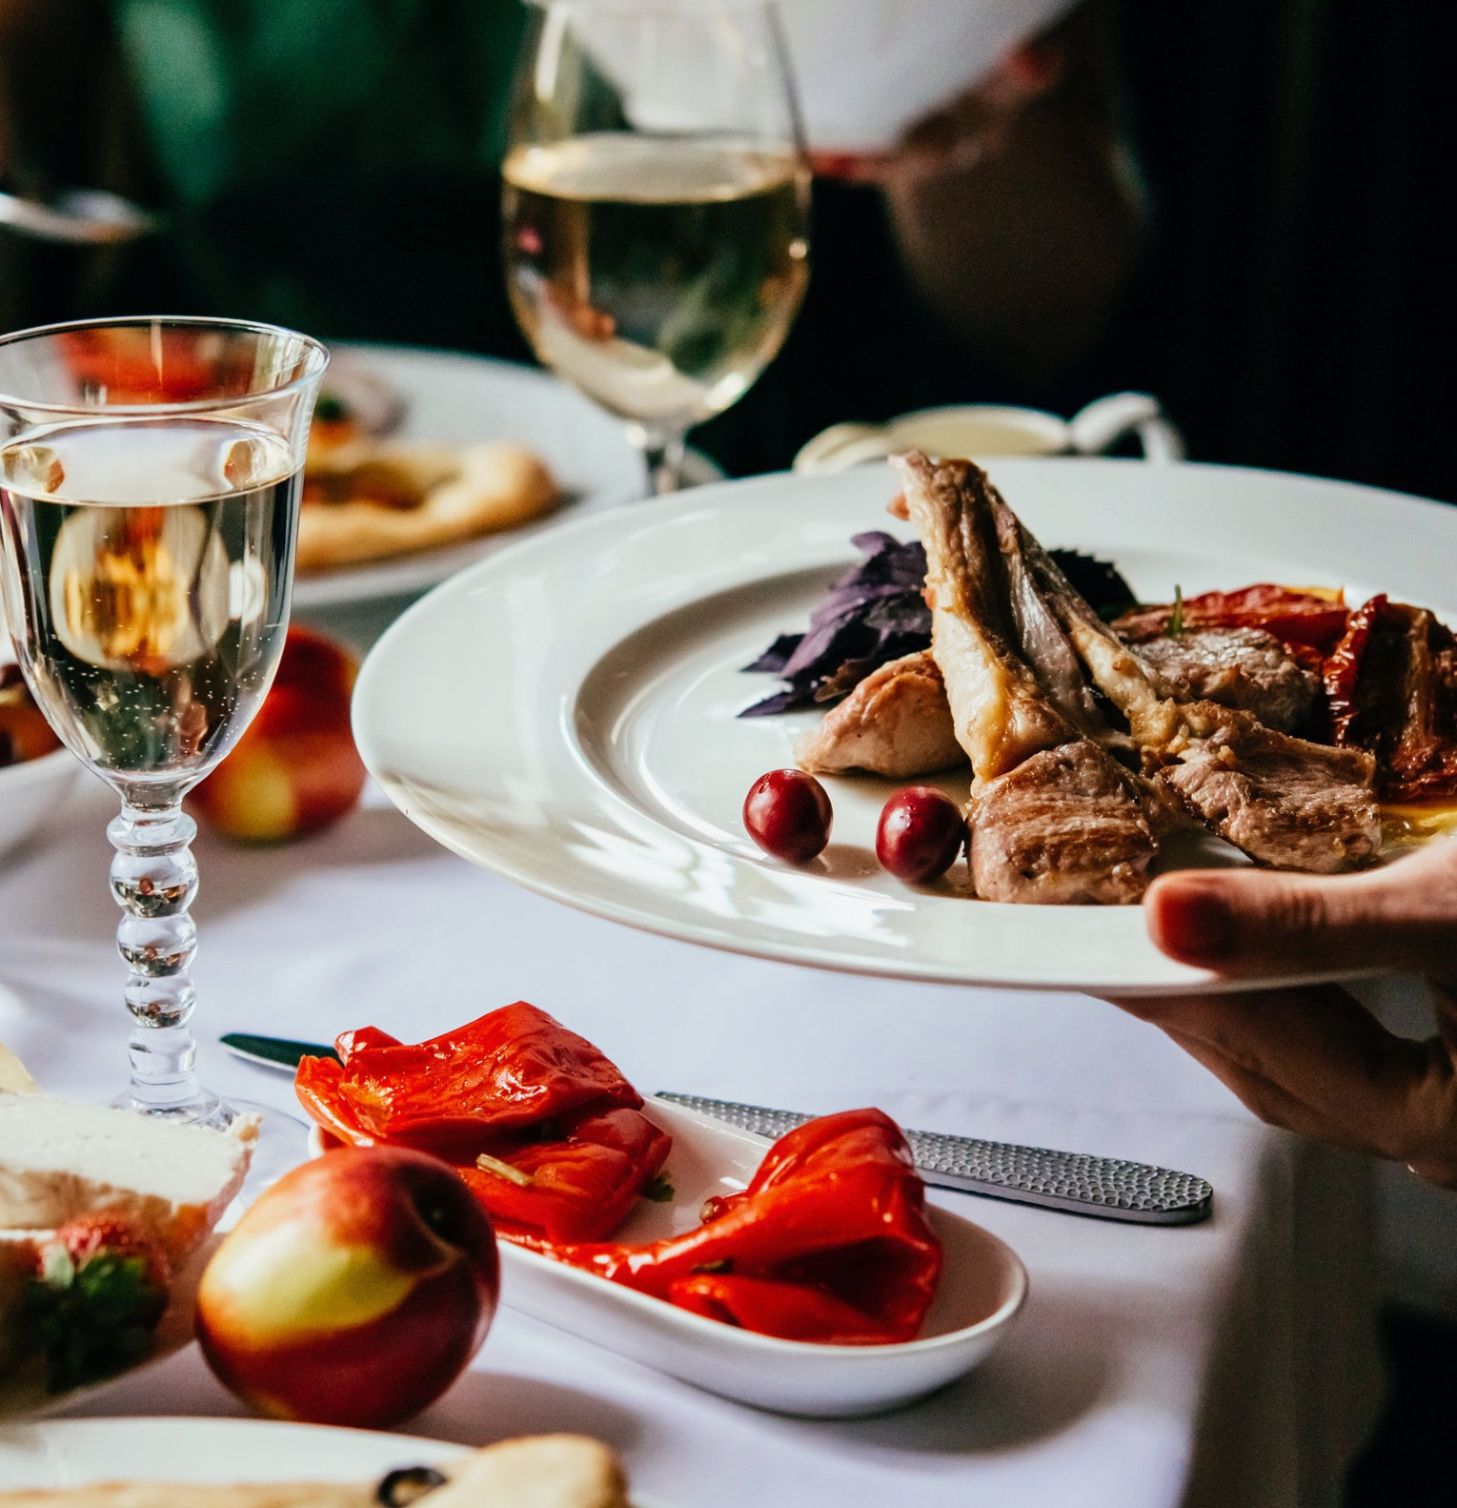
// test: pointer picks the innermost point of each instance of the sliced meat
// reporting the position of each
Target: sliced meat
(1043, 641)
(1054, 817)
(1065, 827)
(1236, 667)
(896, 722)
(999, 712)
(1284, 801)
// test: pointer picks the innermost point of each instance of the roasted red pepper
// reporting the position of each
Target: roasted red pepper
(1343, 668)
(1392, 687)
(830, 1242)
(548, 1134)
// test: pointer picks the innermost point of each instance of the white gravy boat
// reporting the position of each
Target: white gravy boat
(979, 429)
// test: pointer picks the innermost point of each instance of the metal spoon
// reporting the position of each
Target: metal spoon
(77, 217)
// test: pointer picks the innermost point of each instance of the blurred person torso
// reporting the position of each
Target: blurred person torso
(334, 165)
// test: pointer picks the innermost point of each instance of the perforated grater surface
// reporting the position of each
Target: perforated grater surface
(1109, 1188)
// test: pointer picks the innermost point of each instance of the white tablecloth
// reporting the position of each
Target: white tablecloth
(1223, 1363)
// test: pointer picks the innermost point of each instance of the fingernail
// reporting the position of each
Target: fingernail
(1195, 924)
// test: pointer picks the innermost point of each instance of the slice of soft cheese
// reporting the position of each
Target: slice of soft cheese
(59, 1160)
(13, 1077)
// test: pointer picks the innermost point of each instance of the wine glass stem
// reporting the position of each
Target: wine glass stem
(663, 452)
(154, 880)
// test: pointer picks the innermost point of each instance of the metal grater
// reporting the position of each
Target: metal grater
(1109, 1188)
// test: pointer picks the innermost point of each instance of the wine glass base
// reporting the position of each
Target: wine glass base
(282, 1142)
(206, 1109)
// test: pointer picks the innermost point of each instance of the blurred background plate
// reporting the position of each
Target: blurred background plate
(460, 399)
(31, 791)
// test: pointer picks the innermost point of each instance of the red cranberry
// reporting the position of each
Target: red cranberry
(788, 814)
(919, 834)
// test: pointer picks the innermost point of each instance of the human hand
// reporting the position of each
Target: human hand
(1311, 1058)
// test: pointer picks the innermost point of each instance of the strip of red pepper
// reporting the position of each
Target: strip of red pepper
(515, 1085)
(830, 1242)
(1392, 687)
(1343, 668)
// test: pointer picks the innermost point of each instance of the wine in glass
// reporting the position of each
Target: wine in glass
(149, 478)
(656, 206)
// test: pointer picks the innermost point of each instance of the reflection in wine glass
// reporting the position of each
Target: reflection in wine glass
(149, 475)
(656, 207)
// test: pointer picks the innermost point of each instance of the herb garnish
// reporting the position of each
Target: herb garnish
(92, 1319)
(1176, 613)
(659, 1189)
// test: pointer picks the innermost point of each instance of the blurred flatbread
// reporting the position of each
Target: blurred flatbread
(539, 1471)
(373, 501)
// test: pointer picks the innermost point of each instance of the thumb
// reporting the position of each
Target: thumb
(1401, 917)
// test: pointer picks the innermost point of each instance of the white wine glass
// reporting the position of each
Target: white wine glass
(149, 481)
(656, 206)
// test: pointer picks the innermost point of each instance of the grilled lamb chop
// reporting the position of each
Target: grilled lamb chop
(1236, 667)
(1054, 817)
(895, 722)
(1066, 825)
(1282, 800)
(1285, 802)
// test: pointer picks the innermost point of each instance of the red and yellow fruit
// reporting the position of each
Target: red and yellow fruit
(355, 1291)
(295, 769)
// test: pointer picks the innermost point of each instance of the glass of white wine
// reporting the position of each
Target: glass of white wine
(656, 206)
(149, 480)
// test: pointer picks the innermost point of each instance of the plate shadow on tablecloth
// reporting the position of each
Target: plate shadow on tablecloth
(1051, 1370)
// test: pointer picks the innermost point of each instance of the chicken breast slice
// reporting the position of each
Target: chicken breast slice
(896, 722)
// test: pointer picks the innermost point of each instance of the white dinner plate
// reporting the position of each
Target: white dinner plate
(460, 399)
(79, 1452)
(981, 1291)
(565, 712)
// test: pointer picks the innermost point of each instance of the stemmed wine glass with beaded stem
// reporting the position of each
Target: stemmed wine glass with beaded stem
(149, 479)
(656, 206)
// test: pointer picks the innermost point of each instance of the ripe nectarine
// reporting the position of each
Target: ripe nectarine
(295, 769)
(355, 1290)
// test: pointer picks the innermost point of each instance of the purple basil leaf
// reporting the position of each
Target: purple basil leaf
(776, 657)
(874, 542)
(900, 614)
(780, 701)
(825, 645)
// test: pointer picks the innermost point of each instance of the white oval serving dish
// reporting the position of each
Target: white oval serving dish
(983, 1285)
